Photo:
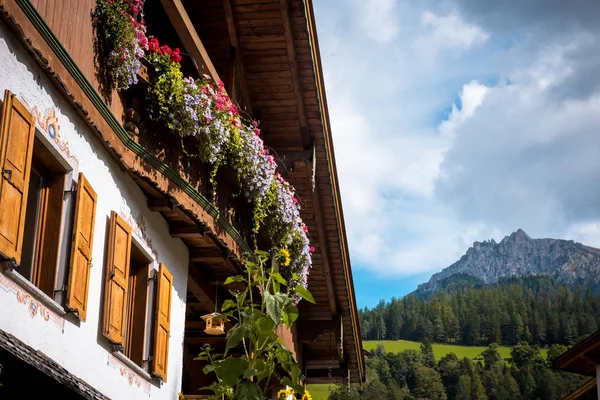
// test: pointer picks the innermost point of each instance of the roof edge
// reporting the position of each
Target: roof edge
(322, 98)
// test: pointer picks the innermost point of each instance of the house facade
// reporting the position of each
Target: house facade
(113, 241)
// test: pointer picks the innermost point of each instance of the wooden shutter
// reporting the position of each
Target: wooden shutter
(16, 149)
(117, 275)
(163, 323)
(81, 247)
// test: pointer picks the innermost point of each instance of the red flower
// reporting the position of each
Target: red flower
(312, 249)
(153, 45)
(175, 57)
(265, 151)
(164, 49)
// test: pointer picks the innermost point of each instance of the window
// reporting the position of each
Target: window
(135, 329)
(43, 220)
(36, 212)
(129, 310)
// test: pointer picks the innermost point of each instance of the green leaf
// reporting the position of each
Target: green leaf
(274, 307)
(250, 372)
(227, 304)
(249, 391)
(232, 279)
(277, 276)
(230, 369)
(276, 286)
(305, 294)
(208, 368)
(290, 315)
(234, 337)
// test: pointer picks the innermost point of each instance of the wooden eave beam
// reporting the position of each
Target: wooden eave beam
(199, 286)
(238, 71)
(316, 199)
(291, 51)
(160, 204)
(186, 231)
(189, 37)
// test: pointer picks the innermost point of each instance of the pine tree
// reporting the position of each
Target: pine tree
(463, 389)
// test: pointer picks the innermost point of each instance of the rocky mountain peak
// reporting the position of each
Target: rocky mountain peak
(519, 255)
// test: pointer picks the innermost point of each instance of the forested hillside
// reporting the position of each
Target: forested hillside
(464, 310)
(414, 374)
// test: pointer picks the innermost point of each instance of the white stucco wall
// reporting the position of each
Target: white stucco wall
(80, 347)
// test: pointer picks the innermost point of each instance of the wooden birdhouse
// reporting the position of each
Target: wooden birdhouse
(215, 324)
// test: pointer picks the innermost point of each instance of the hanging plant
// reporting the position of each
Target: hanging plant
(123, 41)
(201, 109)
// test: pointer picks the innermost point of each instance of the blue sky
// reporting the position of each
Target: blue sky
(456, 121)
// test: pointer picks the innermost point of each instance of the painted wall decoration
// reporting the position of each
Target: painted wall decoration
(32, 305)
(47, 122)
(127, 373)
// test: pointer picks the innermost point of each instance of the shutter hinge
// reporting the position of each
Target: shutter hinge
(153, 276)
(73, 188)
(62, 289)
(149, 359)
(70, 310)
(8, 174)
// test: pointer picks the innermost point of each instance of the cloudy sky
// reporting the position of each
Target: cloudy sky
(457, 121)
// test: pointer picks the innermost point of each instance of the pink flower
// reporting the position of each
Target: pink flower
(312, 249)
(305, 228)
(257, 131)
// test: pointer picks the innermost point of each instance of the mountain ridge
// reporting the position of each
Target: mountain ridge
(517, 254)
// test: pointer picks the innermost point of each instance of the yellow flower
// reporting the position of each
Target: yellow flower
(282, 394)
(285, 253)
(306, 395)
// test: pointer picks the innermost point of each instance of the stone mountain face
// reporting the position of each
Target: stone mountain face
(519, 255)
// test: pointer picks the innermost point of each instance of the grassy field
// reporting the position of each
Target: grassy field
(319, 392)
(440, 350)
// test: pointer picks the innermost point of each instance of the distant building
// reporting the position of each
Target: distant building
(110, 251)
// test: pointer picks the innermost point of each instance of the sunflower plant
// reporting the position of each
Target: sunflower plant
(265, 365)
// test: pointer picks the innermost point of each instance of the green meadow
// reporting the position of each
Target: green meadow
(319, 391)
(440, 350)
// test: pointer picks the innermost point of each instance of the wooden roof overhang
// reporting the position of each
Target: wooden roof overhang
(581, 359)
(266, 51)
(587, 391)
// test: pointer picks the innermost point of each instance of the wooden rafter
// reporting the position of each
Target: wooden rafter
(291, 51)
(191, 41)
(238, 74)
(316, 200)
(199, 286)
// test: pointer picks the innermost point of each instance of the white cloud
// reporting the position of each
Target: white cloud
(451, 31)
(471, 97)
(378, 19)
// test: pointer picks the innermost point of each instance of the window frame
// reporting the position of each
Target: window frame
(56, 300)
(121, 352)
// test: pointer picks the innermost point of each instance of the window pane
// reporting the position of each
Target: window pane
(31, 224)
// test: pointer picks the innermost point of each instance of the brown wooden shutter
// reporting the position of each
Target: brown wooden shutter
(16, 149)
(117, 274)
(163, 323)
(81, 248)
